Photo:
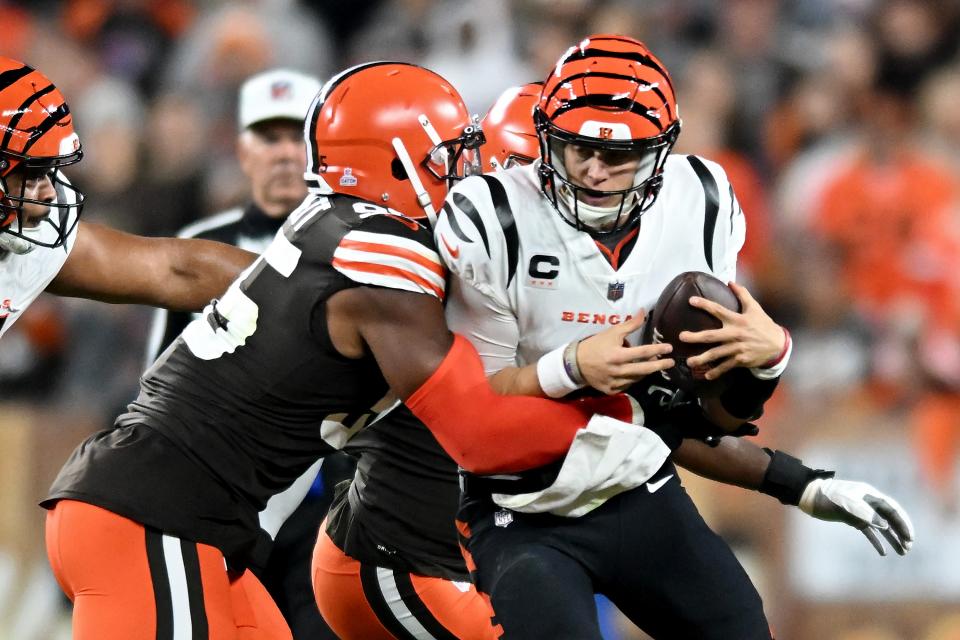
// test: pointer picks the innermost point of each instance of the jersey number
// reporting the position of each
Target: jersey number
(225, 324)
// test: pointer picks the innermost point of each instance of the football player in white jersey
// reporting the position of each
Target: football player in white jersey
(40, 208)
(545, 255)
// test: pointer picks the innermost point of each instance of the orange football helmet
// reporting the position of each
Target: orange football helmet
(610, 93)
(392, 133)
(36, 139)
(509, 130)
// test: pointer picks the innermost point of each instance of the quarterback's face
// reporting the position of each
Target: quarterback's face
(600, 170)
(36, 185)
(273, 156)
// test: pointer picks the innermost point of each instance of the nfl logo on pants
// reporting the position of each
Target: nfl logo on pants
(615, 291)
(502, 518)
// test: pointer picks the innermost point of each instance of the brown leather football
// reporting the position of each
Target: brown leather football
(673, 314)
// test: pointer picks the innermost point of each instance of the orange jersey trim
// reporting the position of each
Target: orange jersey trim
(393, 272)
(392, 250)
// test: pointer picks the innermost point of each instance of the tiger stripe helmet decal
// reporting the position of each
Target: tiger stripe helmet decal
(607, 92)
(36, 138)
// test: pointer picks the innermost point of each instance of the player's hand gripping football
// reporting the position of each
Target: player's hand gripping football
(861, 506)
(609, 364)
(747, 339)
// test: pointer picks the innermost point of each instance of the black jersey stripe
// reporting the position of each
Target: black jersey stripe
(419, 608)
(454, 225)
(734, 206)
(374, 596)
(501, 205)
(463, 203)
(191, 568)
(10, 76)
(711, 205)
(21, 110)
(161, 583)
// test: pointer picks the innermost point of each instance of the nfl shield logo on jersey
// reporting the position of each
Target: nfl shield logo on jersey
(615, 291)
(502, 518)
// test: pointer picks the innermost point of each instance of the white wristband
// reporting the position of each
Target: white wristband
(776, 370)
(552, 374)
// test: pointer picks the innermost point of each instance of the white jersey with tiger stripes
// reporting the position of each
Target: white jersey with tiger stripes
(524, 282)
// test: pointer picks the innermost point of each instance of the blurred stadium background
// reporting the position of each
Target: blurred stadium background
(837, 120)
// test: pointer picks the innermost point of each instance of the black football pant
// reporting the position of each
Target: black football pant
(650, 553)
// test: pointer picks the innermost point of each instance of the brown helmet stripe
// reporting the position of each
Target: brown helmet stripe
(320, 100)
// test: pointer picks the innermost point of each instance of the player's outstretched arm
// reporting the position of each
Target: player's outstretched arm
(817, 493)
(732, 461)
(173, 273)
(441, 378)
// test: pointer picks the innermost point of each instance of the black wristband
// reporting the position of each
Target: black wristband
(669, 431)
(746, 394)
(787, 477)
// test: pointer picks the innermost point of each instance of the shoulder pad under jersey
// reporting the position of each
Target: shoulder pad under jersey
(369, 244)
(476, 234)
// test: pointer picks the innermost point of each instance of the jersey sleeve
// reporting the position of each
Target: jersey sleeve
(473, 245)
(730, 230)
(392, 251)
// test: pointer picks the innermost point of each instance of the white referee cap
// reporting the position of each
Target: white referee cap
(278, 93)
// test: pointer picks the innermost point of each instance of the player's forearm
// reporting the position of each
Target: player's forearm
(179, 274)
(488, 433)
(517, 381)
(734, 461)
(198, 271)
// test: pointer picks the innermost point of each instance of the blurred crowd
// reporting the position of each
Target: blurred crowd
(836, 120)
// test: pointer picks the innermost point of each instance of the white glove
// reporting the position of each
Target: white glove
(861, 506)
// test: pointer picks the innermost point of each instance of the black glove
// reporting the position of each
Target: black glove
(675, 414)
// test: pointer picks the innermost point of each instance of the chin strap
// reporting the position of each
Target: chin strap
(600, 217)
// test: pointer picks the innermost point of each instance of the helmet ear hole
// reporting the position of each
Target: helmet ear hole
(397, 170)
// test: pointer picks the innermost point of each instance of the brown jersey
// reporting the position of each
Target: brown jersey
(400, 509)
(253, 392)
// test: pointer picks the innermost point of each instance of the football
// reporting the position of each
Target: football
(673, 313)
